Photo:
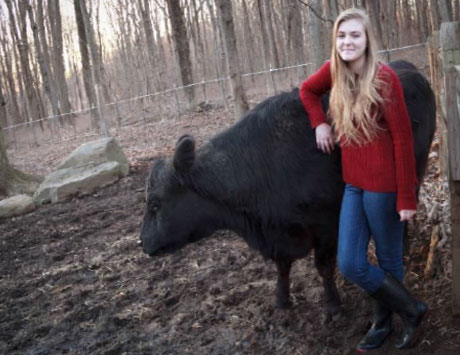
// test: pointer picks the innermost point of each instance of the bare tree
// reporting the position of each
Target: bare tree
(389, 19)
(54, 14)
(7, 69)
(152, 56)
(43, 59)
(295, 36)
(263, 31)
(422, 15)
(217, 50)
(317, 51)
(444, 10)
(85, 58)
(228, 31)
(34, 109)
(267, 13)
(97, 73)
(434, 15)
(247, 38)
(199, 40)
(181, 45)
(372, 7)
(456, 11)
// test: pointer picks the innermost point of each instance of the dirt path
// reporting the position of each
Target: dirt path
(74, 280)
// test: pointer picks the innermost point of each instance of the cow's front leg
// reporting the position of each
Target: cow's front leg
(282, 287)
(325, 260)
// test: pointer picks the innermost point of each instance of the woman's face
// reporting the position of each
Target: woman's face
(351, 40)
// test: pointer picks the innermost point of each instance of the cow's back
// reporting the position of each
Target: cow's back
(421, 105)
(267, 165)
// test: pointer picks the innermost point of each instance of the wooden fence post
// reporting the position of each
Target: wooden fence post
(450, 44)
(434, 56)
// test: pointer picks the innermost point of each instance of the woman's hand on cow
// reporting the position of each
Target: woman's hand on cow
(406, 214)
(324, 138)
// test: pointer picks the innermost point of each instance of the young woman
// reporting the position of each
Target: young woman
(370, 120)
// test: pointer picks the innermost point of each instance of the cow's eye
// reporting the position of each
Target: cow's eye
(155, 207)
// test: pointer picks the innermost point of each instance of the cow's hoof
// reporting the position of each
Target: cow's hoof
(334, 310)
(332, 318)
(283, 304)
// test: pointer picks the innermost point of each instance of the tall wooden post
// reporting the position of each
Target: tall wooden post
(450, 44)
(437, 84)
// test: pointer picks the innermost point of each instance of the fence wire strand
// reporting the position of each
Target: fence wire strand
(176, 89)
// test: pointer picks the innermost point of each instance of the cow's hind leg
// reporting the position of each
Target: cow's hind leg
(325, 260)
(282, 287)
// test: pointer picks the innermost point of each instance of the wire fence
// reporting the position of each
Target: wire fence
(173, 103)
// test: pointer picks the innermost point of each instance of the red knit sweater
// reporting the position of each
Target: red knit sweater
(386, 164)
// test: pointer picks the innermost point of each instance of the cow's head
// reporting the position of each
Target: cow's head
(175, 214)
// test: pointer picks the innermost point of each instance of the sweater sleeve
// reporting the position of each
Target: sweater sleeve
(399, 124)
(311, 91)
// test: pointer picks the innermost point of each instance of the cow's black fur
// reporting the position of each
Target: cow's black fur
(265, 179)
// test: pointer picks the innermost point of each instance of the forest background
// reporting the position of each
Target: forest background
(63, 56)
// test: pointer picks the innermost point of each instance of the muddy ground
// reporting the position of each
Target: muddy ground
(74, 280)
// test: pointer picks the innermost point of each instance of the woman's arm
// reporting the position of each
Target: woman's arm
(310, 95)
(397, 118)
(311, 91)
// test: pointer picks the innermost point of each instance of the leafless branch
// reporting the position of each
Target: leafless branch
(316, 14)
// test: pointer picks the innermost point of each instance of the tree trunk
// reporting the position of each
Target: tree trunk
(194, 57)
(144, 7)
(34, 111)
(181, 45)
(43, 59)
(266, 57)
(456, 11)
(199, 39)
(434, 15)
(391, 27)
(219, 70)
(444, 10)
(317, 55)
(226, 21)
(334, 8)
(271, 34)
(329, 15)
(296, 37)
(161, 53)
(8, 74)
(96, 69)
(422, 17)
(58, 55)
(12, 181)
(408, 24)
(372, 7)
(85, 60)
(248, 39)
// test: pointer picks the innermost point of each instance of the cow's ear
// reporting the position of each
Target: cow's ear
(184, 155)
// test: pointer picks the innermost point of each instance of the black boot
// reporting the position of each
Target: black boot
(381, 327)
(395, 297)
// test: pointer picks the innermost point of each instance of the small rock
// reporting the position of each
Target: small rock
(16, 205)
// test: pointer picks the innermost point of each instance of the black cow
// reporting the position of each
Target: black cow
(265, 179)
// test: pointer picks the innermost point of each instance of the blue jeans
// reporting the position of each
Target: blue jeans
(363, 214)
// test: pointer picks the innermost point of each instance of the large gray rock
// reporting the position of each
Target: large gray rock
(16, 205)
(97, 152)
(91, 166)
(82, 180)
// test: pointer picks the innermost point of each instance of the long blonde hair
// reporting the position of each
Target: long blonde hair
(354, 102)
